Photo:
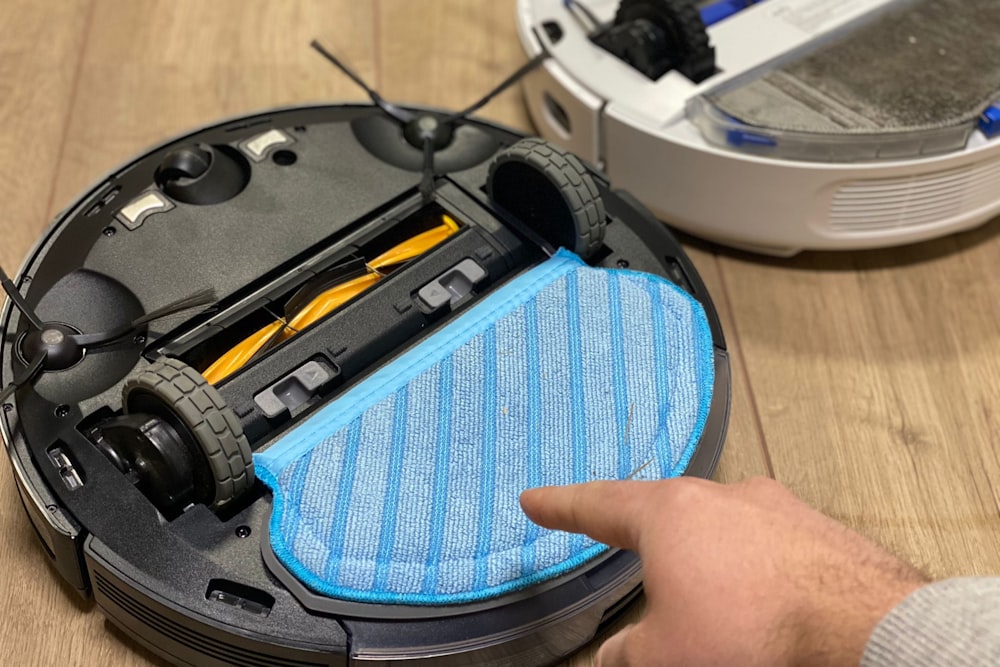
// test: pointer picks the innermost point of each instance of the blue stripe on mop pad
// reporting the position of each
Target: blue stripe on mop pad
(405, 489)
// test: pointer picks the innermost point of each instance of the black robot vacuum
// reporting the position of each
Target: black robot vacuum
(230, 290)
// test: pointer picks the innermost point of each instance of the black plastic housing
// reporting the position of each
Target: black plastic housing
(198, 589)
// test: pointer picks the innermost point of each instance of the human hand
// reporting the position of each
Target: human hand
(744, 574)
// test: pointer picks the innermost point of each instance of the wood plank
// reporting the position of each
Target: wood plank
(40, 44)
(745, 454)
(40, 47)
(876, 379)
(149, 70)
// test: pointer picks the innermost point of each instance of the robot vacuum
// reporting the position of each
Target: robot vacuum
(271, 389)
(779, 125)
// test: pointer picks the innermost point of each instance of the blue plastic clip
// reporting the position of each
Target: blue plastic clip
(739, 139)
(989, 121)
(723, 9)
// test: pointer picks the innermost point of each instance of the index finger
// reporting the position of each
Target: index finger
(608, 511)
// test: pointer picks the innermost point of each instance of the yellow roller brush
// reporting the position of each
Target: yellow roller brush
(326, 302)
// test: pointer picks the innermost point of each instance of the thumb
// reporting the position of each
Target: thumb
(609, 512)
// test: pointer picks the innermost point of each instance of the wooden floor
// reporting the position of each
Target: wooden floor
(868, 382)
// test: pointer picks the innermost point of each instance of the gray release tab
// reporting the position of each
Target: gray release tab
(294, 390)
(451, 287)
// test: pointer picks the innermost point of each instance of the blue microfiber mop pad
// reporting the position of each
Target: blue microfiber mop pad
(405, 489)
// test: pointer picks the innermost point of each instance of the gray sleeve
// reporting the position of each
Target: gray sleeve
(955, 622)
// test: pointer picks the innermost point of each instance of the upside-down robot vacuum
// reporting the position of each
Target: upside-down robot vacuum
(779, 125)
(272, 388)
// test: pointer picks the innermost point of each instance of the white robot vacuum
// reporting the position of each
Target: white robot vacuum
(779, 125)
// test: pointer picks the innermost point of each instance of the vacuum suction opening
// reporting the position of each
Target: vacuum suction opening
(276, 317)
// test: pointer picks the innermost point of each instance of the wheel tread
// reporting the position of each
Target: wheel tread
(699, 60)
(213, 424)
(573, 179)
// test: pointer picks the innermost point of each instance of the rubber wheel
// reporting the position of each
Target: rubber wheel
(681, 23)
(552, 192)
(174, 391)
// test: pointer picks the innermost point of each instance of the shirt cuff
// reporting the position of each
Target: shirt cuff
(954, 622)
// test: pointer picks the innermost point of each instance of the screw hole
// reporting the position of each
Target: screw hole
(285, 158)
(62, 411)
(243, 531)
(109, 231)
(622, 263)
(553, 30)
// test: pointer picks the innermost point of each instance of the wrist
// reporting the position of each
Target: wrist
(837, 625)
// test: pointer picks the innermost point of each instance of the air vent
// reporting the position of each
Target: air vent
(913, 201)
(162, 631)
